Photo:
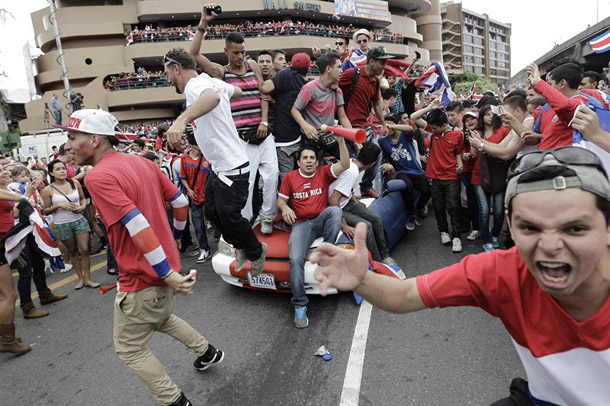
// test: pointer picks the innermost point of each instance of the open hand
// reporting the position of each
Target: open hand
(340, 268)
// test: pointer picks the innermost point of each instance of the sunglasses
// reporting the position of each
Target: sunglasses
(168, 61)
(565, 155)
(339, 44)
(362, 41)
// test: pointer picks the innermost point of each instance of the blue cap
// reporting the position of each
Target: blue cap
(327, 357)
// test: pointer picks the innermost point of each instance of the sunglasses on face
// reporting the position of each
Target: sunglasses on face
(339, 44)
(363, 41)
(168, 61)
(565, 155)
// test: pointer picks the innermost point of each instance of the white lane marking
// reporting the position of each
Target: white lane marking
(353, 374)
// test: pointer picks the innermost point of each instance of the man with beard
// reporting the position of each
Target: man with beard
(208, 108)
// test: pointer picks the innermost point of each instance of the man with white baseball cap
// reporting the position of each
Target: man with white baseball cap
(551, 291)
(130, 194)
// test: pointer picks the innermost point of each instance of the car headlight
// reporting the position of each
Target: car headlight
(226, 249)
(344, 246)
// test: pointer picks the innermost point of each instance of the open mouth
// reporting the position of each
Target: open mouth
(555, 274)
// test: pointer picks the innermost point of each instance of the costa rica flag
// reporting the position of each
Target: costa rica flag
(601, 43)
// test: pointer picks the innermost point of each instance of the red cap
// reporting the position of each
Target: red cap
(300, 60)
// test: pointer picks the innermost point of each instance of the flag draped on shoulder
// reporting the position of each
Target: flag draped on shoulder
(436, 81)
(601, 43)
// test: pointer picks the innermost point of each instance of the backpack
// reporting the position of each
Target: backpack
(167, 166)
(350, 89)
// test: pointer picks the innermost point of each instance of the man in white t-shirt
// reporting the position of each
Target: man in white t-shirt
(341, 194)
(226, 192)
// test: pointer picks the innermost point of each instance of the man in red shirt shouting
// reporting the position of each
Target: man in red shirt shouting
(311, 217)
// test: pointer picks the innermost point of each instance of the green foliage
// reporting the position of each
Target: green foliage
(461, 83)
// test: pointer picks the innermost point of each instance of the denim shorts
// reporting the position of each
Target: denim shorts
(67, 231)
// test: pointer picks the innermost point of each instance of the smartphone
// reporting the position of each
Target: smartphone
(496, 110)
(216, 9)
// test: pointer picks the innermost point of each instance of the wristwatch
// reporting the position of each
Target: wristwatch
(481, 147)
(266, 124)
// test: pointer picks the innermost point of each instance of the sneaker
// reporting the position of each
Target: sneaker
(67, 268)
(210, 357)
(457, 245)
(389, 261)
(267, 226)
(259, 264)
(369, 193)
(204, 255)
(495, 242)
(474, 234)
(419, 220)
(182, 401)
(410, 223)
(300, 317)
(424, 211)
(445, 238)
(240, 256)
(488, 247)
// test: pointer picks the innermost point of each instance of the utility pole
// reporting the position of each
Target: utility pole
(61, 60)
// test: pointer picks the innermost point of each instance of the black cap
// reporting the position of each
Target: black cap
(378, 53)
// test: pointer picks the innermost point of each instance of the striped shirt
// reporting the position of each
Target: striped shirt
(318, 104)
(247, 109)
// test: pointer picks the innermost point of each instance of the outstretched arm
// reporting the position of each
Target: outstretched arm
(213, 69)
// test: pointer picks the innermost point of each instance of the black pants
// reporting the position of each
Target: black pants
(518, 395)
(419, 183)
(223, 206)
(33, 269)
(355, 213)
(471, 218)
(446, 198)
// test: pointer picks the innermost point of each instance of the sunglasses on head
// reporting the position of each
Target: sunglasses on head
(362, 41)
(168, 61)
(565, 155)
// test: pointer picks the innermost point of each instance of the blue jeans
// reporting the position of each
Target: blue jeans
(327, 225)
(199, 224)
(486, 201)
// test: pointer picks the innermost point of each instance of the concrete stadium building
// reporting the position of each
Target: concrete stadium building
(94, 33)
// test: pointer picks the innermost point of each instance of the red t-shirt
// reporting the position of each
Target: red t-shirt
(6, 216)
(442, 161)
(468, 164)
(118, 184)
(566, 361)
(365, 93)
(496, 138)
(308, 195)
(554, 123)
(71, 170)
(188, 169)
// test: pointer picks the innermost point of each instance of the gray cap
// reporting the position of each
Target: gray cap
(586, 177)
(378, 53)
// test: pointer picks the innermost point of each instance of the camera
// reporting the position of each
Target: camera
(216, 9)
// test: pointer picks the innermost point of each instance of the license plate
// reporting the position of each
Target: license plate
(264, 280)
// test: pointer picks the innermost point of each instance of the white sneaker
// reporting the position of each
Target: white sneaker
(474, 234)
(457, 245)
(266, 226)
(203, 256)
(67, 268)
(445, 238)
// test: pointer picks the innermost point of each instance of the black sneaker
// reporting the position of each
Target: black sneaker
(212, 356)
(182, 401)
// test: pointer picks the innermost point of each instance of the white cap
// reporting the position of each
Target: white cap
(92, 121)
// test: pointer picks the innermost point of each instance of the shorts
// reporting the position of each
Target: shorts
(67, 231)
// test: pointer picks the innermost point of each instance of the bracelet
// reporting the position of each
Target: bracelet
(200, 28)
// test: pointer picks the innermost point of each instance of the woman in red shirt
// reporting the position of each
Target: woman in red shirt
(8, 295)
(489, 179)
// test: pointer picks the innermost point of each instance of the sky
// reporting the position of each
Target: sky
(536, 26)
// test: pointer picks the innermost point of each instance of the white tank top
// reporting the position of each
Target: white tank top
(62, 216)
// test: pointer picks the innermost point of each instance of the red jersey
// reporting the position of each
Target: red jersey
(365, 93)
(188, 169)
(71, 170)
(496, 138)
(118, 184)
(308, 195)
(554, 123)
(7, 221)
(567, 361)
(444, 149)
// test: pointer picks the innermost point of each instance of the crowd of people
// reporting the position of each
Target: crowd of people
(256, 29)
(139, 79)
(249, 150)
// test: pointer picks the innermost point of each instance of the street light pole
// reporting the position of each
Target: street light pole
(60, 58)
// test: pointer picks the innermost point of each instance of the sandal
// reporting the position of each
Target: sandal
(80, 285)
(94, 285)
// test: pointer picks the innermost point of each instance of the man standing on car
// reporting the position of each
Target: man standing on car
(226, 192)
(130, 194)
(306, 189)
(361, 92)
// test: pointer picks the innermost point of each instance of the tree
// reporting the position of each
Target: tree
(461, 83)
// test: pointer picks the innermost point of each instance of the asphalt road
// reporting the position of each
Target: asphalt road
(459, 356)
